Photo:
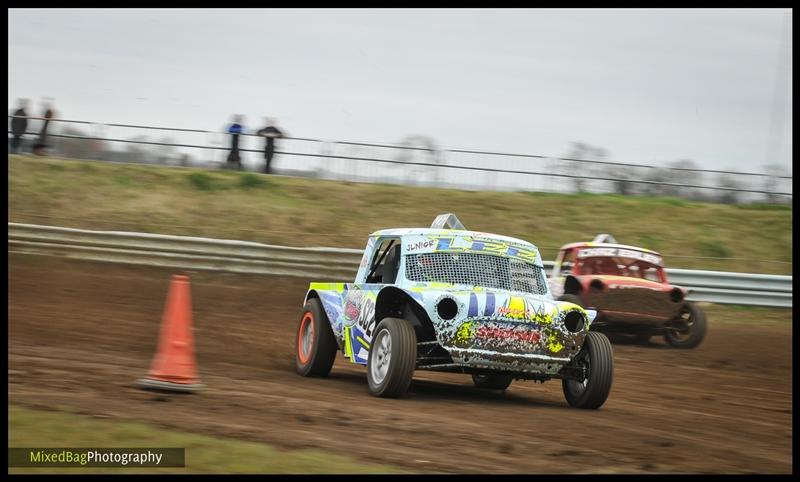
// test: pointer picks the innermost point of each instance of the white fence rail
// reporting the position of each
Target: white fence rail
(324, 263)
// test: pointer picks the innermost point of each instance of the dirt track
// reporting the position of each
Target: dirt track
(81, 333)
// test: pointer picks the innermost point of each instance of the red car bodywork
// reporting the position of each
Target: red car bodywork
(627, 285)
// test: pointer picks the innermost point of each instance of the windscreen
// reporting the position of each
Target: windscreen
(619, 266)
(476, 269)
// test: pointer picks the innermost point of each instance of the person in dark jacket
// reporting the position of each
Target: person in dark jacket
(19, 124)
(41, 143)
(270, 133)
(235, 129)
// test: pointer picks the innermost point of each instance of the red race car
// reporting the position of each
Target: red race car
(629, 289)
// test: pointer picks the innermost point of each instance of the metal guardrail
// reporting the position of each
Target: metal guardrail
(183, 252)
(737, 288)
(326, 263)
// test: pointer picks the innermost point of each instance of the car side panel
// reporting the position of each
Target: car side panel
(351, 311)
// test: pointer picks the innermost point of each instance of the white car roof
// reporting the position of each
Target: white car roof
(402, 232)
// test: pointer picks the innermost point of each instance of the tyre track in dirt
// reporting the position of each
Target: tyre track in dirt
(81, 333)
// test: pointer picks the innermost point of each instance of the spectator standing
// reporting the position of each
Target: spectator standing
(19, 124)
(235, 129)
(270, 133)
(41, 143)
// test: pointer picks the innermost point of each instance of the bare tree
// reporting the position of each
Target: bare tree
(656, 175)
(164, 153)
(579, 151)
(729, 181)
(624, 176)
(773, 182)
(76, 148)
(683, 172)
(619, 172)
(676, 176)
(426, 151)
(135, 151)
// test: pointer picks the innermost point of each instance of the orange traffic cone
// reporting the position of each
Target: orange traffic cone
(173, 367)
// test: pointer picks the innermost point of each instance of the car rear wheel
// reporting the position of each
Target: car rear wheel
(689, 328)
(392, 358)
(492, 381)
(315, 345)
(597, 360)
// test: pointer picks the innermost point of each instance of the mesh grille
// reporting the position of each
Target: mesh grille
(477, 270)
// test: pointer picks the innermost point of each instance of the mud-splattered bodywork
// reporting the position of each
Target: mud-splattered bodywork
(480, 324)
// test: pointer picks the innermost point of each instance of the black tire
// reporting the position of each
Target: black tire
(572, 299)
(600, 374)
(391, 377)
(314, 356)
(492, 381)
(695, 324)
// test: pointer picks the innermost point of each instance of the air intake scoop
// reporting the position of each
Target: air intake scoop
(447, 221)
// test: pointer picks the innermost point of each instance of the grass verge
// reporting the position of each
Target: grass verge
(39, 428)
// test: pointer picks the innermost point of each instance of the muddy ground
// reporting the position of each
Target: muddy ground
(81, 333)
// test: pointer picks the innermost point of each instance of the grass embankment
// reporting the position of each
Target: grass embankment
(749, 315)
(311, 212)
(40, 428)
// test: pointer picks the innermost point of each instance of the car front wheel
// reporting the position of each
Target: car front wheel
(689, 328)
(596, 360)
(392, 358)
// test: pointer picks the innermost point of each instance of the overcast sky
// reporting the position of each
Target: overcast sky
(650, 86)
